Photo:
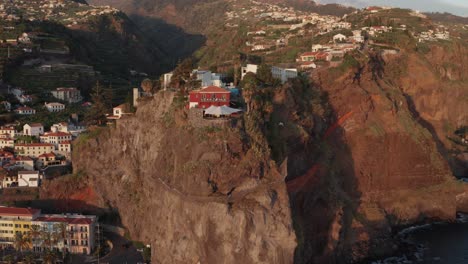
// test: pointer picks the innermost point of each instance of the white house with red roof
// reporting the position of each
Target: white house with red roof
(55, 138)
(209, 96)
(119, 111)
(25, 110)
(315, 56)
(54, 107)
(47, 159)
(65, 147)
(70, 95)
(10, 130)
(33, 129)
(33, 149)
(6, 141)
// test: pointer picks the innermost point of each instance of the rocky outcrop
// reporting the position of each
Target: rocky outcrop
(197, 195)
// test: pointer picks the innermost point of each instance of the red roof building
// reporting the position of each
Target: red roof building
(18, 212)
(209, 96)
(315, 56)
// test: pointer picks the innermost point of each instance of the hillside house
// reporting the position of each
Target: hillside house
(33, 149)
(47, 159)
(54, 107)
(339, 38)
(34, 129)
(55, 138)
(65, 147)
(209, 96)
(253, 68)
(119, 111)
(11, 131)
(23, 163)
(6, 105)
(315, 56)
(6, 141)
(24, 110)
(283, 74)
(60, 127)
(28, 178)
(167, 77)
(69, 95)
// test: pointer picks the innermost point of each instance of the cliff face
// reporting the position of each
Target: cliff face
(362, 150)
(393, 112)
(194, 194)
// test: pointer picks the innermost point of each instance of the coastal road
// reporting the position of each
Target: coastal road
(123, 251)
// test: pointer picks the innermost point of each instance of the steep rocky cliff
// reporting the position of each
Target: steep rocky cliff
(196, 194)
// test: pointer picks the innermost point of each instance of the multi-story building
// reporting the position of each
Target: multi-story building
(8, 130)
(13, 220)
(6, 141)
(34, 149)
(209, 96)
(65, 147)
(33, 129)
(24, 110)
(73, 233)
(55, 138)
(54, 107)
(79, 237)
(70, 95)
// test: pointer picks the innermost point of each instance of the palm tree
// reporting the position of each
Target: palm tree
(22, 242)
(29, 259)
(47, 240)
(34, 233)
(8, 259)
(61, 234)
(49, 257)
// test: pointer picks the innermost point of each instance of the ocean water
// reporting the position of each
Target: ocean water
(439, 243)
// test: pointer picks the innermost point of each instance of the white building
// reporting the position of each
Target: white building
(8, 130)
(167, 77)
(65, 147)
(60, 127)
(70, 95)
(34, 129)
(54, 107)
(55, 138)
(24, 110)
(28, 179)
(119, 111)
(283, 74)
(339, 38)
(248, 68)
(6, 141)
(33, 149)
(25, 163)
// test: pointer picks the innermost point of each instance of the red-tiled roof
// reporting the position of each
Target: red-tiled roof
(70, 220)
(24, 108)
(56, 134)
(35, 145)
(212, 89)
(66, 142)
(13, 211)
(23, 158)
(7, 128)
(47, 155)
(35, 125)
